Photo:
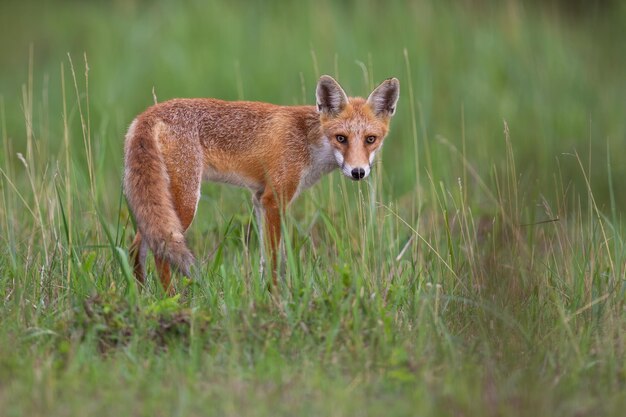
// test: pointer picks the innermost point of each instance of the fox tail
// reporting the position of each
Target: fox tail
(146, 186)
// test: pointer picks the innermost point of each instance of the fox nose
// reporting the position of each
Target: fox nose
(358, 173)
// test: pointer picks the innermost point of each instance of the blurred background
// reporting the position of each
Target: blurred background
(421, 291)
(553, 70)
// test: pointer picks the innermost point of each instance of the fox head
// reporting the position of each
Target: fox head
(354, 127)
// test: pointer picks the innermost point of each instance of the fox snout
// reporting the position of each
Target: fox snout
(353, 171)
(358, 173)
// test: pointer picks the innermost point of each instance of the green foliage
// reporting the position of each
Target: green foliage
(479, 271)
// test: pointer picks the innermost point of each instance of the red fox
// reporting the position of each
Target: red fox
(275, 151)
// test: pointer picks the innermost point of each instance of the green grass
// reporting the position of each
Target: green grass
(480, 270)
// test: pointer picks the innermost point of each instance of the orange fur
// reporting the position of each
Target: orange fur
(275, 151)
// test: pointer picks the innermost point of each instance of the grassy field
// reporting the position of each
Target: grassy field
(478, 272)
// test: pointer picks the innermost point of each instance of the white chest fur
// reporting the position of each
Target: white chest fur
(323, 161)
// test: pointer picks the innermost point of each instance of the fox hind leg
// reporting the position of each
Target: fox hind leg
(139, 248)
(165, 275)
(138, 252)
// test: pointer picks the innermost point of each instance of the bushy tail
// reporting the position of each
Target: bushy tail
(146, 186)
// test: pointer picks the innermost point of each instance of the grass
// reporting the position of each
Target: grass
(480, 270)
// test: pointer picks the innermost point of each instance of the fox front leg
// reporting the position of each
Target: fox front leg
(271, 216)
(273, 206)
(258, 211)
(270, 206)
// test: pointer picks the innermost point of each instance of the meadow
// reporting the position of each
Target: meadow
(478, 272)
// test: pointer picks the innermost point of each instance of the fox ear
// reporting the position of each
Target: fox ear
(384, 98)
(331, 98)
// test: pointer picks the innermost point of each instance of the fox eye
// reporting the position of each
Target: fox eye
(341, 138)
(370, 139)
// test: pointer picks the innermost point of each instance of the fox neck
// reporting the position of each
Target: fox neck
(322, 161)
(322, 158)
